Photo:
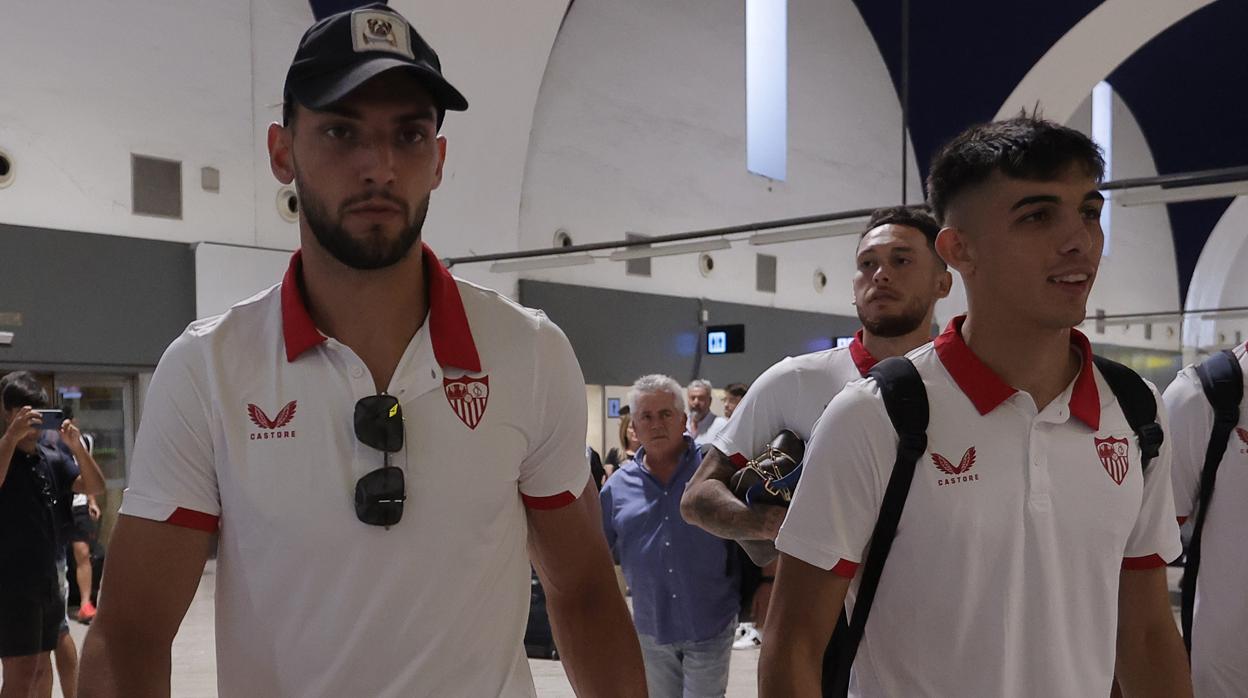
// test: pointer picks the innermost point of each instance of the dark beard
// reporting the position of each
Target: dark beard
(372, 252)
(898, 325)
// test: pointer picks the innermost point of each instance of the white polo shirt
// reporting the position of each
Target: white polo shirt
(1003, 578)
(248, 423)
(790, 395)
(1220, 618)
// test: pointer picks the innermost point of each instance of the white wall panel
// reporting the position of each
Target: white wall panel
(640, 127)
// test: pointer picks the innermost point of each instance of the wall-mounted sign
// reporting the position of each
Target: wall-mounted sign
(725, 339)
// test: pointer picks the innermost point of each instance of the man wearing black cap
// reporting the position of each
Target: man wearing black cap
(426, 439)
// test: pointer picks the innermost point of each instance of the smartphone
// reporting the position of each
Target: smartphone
(52, 419)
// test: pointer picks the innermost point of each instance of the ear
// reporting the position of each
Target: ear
(281, 159)
(944, 284)
(954, 247)
(437, 175)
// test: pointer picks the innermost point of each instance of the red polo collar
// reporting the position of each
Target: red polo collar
(448, 323)
(862, 358)
(987, 390)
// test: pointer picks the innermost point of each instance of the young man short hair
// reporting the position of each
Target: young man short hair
(384, 448)
(1026, 562)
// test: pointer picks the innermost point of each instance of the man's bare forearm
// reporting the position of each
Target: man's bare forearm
(597, 642)
(713, 507)
(119, 667)
(1154, 665)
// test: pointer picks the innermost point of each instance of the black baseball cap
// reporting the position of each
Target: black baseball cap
(344, 50)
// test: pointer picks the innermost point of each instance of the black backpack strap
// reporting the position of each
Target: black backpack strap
(905, 399)
(1223, 382)
(1138, 405)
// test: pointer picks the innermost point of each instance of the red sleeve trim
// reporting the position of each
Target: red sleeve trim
(738, 460)
(1182, 520)
(554, 501)
(189, 518)
(845, 569)
(1147, 562)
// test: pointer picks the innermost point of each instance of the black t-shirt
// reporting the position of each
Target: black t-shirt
(65, 469)
(29, 522)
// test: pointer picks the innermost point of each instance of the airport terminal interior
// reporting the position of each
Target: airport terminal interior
(679, 185)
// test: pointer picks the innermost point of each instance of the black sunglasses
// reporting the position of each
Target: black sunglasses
(380, 494)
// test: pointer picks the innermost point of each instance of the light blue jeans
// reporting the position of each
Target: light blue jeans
(688, 669)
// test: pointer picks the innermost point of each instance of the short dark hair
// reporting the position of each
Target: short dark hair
(22, 389)
(917, 216)
(737, 389)
(1024, 147)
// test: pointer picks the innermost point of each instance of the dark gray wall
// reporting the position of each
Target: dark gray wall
(619, 336)
(91, 301)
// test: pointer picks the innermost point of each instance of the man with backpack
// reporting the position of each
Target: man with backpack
(1028, 559)
(1210, 484)
(898, 279)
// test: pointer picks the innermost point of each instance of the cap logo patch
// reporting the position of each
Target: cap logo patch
(380, 31)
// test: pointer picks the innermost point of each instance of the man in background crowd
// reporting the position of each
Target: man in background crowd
(34, 478)
(733, 392)
(684, 581)
(703, 423)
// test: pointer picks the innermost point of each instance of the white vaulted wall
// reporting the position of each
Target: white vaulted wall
(86, 84)
(640, 127)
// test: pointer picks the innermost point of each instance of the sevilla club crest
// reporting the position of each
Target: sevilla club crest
(468, 397)
(1113, 455)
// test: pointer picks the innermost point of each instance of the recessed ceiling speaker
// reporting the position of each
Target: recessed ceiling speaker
(6, 168)
(288, 204)
(562, 238)
(821, 281)
(706, 264)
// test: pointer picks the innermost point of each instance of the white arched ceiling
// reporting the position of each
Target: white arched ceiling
(1219, 281)
(640, 127)
(1090, 51)
(496, 54)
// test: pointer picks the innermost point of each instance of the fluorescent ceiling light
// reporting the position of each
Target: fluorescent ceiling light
(1157, 195)
(849, 226)
(668, 250)
(535, 263)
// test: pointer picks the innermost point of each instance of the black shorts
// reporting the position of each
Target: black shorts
(83, 530)
(31, 612)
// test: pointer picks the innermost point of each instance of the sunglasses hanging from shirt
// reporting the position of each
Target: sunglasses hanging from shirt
(380, 494)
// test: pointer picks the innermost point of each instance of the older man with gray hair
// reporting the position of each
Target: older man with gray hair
(703, 423)
(684, 580)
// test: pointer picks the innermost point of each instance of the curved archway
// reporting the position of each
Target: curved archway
(1090, 51)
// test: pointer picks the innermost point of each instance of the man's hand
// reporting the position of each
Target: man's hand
(590, 620)
(24, 425)
(711, 505)
(72, 438)
(93, 508)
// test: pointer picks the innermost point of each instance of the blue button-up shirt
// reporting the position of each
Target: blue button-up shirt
(684, 581)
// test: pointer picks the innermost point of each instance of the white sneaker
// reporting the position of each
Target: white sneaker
(750, 640)
(741, 629)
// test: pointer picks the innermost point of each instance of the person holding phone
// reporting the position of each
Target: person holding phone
(33, 475)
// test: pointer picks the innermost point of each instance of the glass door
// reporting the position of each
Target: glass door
(103, 406)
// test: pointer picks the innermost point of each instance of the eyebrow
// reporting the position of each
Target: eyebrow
(885, 248)
(349, 113)
(1093, 195)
